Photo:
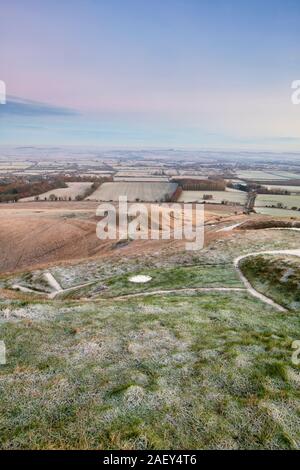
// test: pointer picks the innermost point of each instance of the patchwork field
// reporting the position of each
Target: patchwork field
(236, 197)
(257, 175)
(148, 192)
(278, 201)
(15, 165)
(273, 212)
(139, 179)
(291, 189)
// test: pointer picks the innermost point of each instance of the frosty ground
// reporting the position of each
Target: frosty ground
(173, 371)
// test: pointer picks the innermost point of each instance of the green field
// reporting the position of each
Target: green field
(218, 197)
(291, 189)
(163, 279)
(277, 212)
(278, 205)
(263, 200)
(260, 175)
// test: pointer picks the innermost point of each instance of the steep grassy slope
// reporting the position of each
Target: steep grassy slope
(207, 370)
(162, 279)
(197, 370)
(276, 276)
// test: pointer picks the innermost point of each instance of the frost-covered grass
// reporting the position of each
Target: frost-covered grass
(206, 370)
(217, 196)
(258, 175)
(177, 278)
(269, 200)
(177, 371)
(219, 252)
(274, 212)
(161, 279)
(275, 276)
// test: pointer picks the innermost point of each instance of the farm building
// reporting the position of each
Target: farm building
(135, 191)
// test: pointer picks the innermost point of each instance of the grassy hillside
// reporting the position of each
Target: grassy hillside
(208, 370)
(277, 277)
(162, 279)
(174, 371)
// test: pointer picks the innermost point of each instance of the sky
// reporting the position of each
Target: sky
(212, 74)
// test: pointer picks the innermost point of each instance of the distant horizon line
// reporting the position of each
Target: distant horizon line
(149, 147)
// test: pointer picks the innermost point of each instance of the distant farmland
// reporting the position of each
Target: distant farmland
(73, 190)
(291, 189)
(135, 191)
(274, 212)
(259, 175)
(143, 179)
(233, 197)
(277, 200)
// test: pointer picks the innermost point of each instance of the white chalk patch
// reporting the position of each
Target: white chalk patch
(140, 278)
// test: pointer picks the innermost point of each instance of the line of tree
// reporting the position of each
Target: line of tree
(18, 188)
(191, 184)
(258, 188)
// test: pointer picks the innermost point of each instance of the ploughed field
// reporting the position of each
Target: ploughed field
(135, 191)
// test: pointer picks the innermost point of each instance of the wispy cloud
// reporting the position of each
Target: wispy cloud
(22, 107)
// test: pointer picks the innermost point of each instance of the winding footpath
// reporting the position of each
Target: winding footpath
(185, 290)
